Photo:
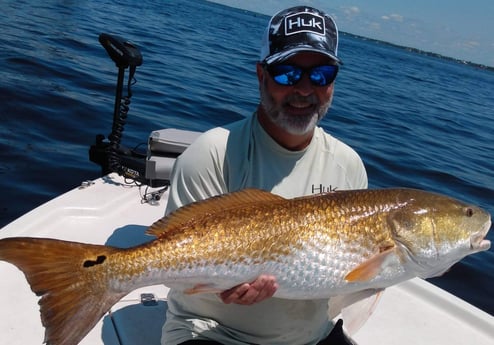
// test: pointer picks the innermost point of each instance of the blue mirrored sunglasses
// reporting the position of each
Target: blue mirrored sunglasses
(289, 75)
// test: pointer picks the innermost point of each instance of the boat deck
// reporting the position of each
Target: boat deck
(106, 211)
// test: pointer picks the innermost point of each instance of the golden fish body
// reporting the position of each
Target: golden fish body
(311, 244)
(317, 247)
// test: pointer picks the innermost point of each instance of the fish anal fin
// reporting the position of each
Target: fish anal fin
(220, 203)
(371, 267)
(202, 288)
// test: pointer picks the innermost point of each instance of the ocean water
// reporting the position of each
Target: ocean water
(417, 121)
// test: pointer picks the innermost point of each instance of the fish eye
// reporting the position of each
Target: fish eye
(469, 212)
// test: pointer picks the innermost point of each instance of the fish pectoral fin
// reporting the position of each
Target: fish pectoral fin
(371, 267)
(203, 288)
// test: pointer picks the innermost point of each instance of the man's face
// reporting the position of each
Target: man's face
(298, 108)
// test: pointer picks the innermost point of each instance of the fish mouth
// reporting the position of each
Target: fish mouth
(478, 241)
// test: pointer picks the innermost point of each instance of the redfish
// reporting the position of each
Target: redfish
(320, 246)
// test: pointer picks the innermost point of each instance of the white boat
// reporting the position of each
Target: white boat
(111, 211)
(108, 211)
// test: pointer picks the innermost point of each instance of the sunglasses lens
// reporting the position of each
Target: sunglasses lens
(285, 74)
(323, 75)
(289, 75)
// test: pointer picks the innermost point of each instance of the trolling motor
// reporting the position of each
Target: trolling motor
(154, 167)
(108, 153)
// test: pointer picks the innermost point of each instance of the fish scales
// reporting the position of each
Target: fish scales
(341, 244)
(308, 243)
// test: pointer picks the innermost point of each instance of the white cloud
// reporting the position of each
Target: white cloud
(351, 11)
(374, 26)
(393, 17)
(472, 44)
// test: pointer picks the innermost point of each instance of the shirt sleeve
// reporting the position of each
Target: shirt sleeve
(198, 171)
(359, 174)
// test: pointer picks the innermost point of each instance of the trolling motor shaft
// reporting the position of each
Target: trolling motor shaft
(109, 154)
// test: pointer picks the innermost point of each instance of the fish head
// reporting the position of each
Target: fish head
(434, 231)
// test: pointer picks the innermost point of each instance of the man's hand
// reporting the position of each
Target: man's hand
(263, 287)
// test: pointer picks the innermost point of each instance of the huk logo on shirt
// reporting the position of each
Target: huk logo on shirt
(321, 189)
(304, 22)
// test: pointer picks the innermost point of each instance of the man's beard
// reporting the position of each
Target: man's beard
(294, 124)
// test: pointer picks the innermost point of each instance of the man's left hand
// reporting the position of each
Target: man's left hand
(249, 293)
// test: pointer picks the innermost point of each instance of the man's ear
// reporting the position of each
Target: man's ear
(260, 72)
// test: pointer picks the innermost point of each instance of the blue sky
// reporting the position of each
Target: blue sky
(455, 28)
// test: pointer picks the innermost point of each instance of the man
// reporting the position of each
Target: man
(279, 149)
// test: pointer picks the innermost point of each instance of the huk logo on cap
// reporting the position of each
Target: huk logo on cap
(304, 22)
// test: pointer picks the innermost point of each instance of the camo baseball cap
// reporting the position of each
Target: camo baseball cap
(299, 29)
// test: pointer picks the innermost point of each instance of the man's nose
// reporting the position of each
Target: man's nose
(304, 87)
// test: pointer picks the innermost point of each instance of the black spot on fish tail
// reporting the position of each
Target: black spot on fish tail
(90, 263)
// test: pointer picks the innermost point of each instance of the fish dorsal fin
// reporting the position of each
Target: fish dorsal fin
(220, 203)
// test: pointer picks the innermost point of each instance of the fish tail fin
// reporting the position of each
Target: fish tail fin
(71, 280)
